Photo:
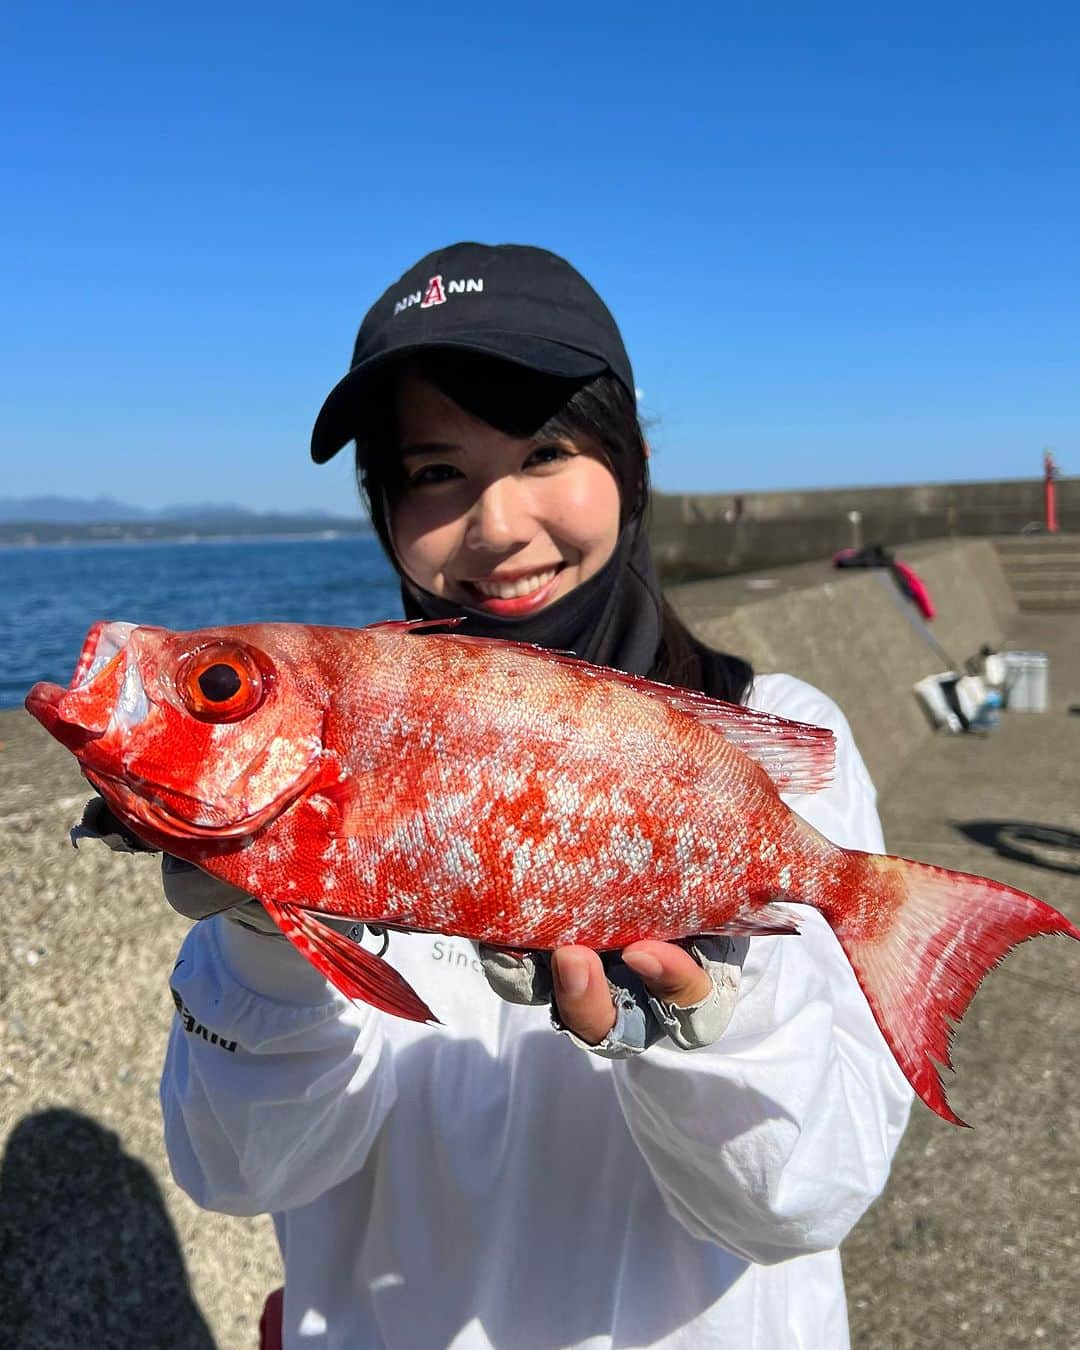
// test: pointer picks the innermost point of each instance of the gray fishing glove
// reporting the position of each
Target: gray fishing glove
(99, 823)
(197, 895)
(192, 892)
(640, 1019)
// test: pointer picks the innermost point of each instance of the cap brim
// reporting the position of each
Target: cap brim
(336, 423)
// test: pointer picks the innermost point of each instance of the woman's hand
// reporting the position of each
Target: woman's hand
(583, 998)
(620, 1004)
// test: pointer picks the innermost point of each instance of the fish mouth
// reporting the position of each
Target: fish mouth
(103, 643)
(106, 690)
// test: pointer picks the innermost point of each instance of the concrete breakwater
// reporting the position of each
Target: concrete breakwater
(710, 534)
(852, 634)
(973, 1244)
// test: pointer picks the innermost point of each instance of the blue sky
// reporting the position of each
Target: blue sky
(843, 246)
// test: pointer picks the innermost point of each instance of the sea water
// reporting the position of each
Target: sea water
(49, 596)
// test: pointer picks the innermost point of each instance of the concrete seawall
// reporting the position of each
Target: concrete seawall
(714, 534)
(851, 633)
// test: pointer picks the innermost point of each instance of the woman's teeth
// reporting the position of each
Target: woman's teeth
(513, 590)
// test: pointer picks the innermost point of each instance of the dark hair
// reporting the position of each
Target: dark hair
(522, 402)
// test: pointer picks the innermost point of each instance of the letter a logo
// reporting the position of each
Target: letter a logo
(434, 294)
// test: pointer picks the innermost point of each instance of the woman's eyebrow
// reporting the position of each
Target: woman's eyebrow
(429, 448)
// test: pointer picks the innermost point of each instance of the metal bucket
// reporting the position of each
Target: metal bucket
(1027, 681)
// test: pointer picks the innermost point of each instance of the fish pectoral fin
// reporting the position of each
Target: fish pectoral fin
(359, 974)
(349, 805)
(764, 921)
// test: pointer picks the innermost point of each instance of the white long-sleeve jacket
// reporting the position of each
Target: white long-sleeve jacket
(485, 1183)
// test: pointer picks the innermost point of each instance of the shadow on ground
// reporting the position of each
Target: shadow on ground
(88, 1253)
(1046, 846)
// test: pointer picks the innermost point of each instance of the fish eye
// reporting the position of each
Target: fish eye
(223, 682)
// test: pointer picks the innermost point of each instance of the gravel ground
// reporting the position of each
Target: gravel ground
(98, 1246)
(974, 1243)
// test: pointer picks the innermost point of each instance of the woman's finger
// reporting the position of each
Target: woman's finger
(582, 996)
(669, 972)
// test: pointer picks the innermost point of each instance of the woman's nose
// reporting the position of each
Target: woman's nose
(500, 518)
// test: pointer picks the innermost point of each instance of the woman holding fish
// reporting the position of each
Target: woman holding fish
(679, 1166)
(535, 762)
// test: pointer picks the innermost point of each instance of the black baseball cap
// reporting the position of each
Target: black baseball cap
(512, 301)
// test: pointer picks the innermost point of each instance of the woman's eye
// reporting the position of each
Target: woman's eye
(548, 454)
(433, 473)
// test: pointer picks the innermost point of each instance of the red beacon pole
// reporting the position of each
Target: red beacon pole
(1050, 473)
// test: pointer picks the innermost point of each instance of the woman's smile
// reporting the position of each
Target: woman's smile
(515, 593)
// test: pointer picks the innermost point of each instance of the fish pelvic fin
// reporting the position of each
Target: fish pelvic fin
(357, 973)
(920, 944)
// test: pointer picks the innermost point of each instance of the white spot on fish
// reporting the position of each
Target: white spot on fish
(684, 845)
(520, 861)
(462, 864)
(630, 847)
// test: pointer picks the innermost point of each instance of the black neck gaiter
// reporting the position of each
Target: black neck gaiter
(613, 619)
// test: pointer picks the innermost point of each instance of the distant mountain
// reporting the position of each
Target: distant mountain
(56, 510)
(219, 511)
(28, 521)
(67, 510)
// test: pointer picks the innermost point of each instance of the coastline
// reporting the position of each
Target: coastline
(30, 542)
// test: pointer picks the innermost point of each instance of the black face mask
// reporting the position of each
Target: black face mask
(613, 619)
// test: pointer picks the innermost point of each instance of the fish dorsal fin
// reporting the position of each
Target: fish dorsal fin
(410, 625)
(797, 757)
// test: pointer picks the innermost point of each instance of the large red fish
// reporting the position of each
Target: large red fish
(509, 795)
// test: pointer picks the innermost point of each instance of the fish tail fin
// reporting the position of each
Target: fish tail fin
(357, 973)
(920, 944)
